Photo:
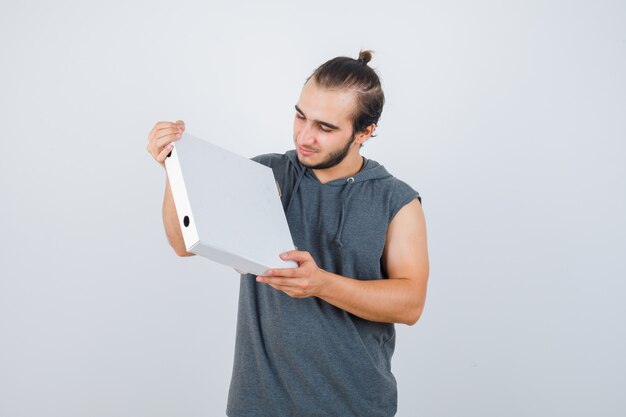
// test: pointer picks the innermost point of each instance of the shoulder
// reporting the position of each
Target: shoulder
(397, 193)
(402, 195)
(272, 160)
(284, 165)
(386, 183)
(402, 189)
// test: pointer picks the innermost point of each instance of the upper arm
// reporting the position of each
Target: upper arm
(406, 251)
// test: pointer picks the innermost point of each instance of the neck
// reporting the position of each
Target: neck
(347, 168)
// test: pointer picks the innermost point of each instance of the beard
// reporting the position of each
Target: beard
(334, 158)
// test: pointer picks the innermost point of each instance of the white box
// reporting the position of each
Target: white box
(228, 207)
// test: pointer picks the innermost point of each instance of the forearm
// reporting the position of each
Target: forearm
(171, 223)
(397, 300)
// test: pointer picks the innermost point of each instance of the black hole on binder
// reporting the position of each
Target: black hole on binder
(169, 154)
(186, 221)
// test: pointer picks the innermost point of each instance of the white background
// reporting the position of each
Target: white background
(508, 117)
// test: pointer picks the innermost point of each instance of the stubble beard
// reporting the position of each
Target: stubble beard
(334, 158)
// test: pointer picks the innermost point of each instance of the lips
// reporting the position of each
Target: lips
(305, 152)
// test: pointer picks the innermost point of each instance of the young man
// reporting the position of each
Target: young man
(317, 340)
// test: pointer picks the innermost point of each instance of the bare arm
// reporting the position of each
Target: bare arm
(159, 139)
(399, 299)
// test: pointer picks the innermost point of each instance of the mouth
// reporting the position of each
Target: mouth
(305, 152)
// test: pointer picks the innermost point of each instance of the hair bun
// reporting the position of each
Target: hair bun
(365, 57)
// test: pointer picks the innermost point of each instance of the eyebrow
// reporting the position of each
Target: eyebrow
(328, 125)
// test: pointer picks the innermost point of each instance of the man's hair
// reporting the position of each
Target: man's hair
(354, 74)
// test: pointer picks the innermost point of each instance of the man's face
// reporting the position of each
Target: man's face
(322, 128)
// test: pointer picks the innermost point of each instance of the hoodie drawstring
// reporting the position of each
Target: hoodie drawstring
(295, 188)
(347, 191)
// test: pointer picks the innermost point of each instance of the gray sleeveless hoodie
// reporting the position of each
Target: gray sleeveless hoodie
(305, 357)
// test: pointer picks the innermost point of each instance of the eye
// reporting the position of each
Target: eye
(324, 129)
(299, 116)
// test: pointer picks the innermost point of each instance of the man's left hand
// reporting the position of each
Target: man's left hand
(306, 280)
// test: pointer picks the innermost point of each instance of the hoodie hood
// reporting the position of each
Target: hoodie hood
(371, 170)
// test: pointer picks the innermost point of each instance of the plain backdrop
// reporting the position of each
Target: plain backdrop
(509, 117)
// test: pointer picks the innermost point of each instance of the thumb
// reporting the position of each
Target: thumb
(295, 255)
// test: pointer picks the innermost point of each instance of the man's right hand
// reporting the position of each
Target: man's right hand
(159, 146)
(160, 138)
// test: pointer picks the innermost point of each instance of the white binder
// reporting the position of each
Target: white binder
(228, 206)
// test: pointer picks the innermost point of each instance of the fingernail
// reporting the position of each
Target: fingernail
(283, 255)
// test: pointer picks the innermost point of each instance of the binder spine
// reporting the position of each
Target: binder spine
(181, 200)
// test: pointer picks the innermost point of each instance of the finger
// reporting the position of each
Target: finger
(295, 255)
(172, 129)
(279, 288)
(284, 272)
(165, 141)
(289, 291)
(181, 124)
(160, 158)
(161, 142)
(161, 125)
(166, 131)
(156, 147)
(283, 282)
(162, 133)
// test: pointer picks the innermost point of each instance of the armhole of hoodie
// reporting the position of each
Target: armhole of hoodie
(280, 165)
(402, 195)
(267, 159)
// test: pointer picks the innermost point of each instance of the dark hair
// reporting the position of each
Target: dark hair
(343, 72)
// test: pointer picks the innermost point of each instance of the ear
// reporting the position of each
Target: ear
(365, 134)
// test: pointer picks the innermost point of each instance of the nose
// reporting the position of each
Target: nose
(305, 135)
